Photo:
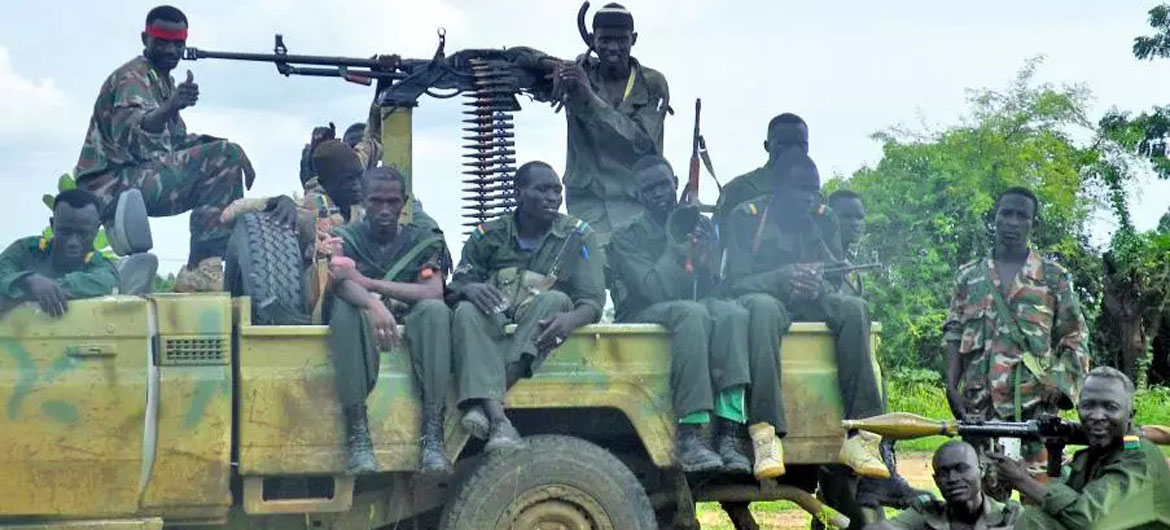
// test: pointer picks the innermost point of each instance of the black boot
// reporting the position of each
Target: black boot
(692, 452)
(893, 492)
(431, 458)
(729, 444)
(357, 436)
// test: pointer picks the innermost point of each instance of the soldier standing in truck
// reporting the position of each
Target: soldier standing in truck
(1016, 341)
(397, 276)
(535, 268)
(51, 270)
(778, 244)
(615, 108)
(137, 139)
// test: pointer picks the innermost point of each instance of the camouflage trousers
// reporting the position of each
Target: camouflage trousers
(202, 179)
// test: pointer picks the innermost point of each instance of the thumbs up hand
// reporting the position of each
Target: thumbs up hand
(186, 94)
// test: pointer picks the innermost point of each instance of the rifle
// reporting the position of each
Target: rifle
(841, 268)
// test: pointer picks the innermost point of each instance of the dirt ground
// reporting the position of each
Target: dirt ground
(776, 515)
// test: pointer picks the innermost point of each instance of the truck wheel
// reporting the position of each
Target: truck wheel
(264, 262)
(558, 482)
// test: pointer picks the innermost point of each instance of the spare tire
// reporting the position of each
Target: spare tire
(264, 262)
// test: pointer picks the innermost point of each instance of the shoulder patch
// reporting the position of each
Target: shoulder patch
(479, 231)
(752, 208)
(1131, 442)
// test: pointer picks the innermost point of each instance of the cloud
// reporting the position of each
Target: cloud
(26, 105)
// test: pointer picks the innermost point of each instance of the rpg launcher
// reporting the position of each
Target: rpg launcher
(1055, 433)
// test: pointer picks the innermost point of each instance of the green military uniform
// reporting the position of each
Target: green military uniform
(1127, 487)
(716, 345)
(604, 142)
(761, 257)
(33, 255)
(176, 171)
(427, 322)
(741, 189)
(481, 349)
(932, 515)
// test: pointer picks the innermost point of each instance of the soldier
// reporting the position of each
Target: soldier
(398, 277)
(778, 244)
(1119, 481)
(964, 506)
(1016, 341)
(352, 136)
(615, 108)
(53, 270)
(849, 212)
(137, 139)
(718, 348)
(786, 133)
(535, 268)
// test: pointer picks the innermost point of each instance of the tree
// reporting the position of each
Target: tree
(929, 202)
(1158, 44)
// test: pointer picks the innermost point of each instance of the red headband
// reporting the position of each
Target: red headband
(166, 34)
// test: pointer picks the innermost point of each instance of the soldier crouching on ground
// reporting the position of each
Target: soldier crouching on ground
(1121, 481)
(964, 505)
(778, 244)
(396, 275)
(53, 270)
(535, 268)
(719, 349)
(137, 139)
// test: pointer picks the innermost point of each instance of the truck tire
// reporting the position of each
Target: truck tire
(264, 262)
(559, 481)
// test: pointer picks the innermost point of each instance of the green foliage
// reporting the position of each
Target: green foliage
(1158, 44)
(164, 284)
(930, 201)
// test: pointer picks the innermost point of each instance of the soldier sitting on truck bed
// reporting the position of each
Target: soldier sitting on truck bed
(395, 275)
(137, 139)
(535, 268)
(719, 348)
(779, 244)
(787, 132)
(53, 270)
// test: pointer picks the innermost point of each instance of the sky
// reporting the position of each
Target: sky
(850, 69)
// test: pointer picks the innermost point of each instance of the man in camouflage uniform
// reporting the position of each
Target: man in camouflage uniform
(615, 108)
(396, 275)
(718, 350)
(778, 244)
(787, 132)
(535, 268)
(137, 139)
(1016, 341)
(1121, 481)
(964, 506)
(52, 271)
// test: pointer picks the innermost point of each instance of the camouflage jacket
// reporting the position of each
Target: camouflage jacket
(932, 515)
(495, 246)
(1010, 358)
(32, 255)
(604, 141)
(116, 137)
(1126, 487)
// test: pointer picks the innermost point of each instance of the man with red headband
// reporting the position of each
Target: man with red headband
(137, 139)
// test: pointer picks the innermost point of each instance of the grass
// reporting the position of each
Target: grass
(927, 398)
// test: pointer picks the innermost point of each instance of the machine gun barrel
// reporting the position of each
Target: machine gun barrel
(192, 54)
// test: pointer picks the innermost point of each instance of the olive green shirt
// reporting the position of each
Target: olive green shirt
(496, 245)
(761, 254)
(1124, 488)
(642, 268)
(414, 250)
(28, 256)
(932, 515)
(741, 189)
(605, 141)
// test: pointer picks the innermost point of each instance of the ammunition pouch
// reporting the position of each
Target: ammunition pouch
(521, 286)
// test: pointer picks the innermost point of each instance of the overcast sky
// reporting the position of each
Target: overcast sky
(849, 68)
